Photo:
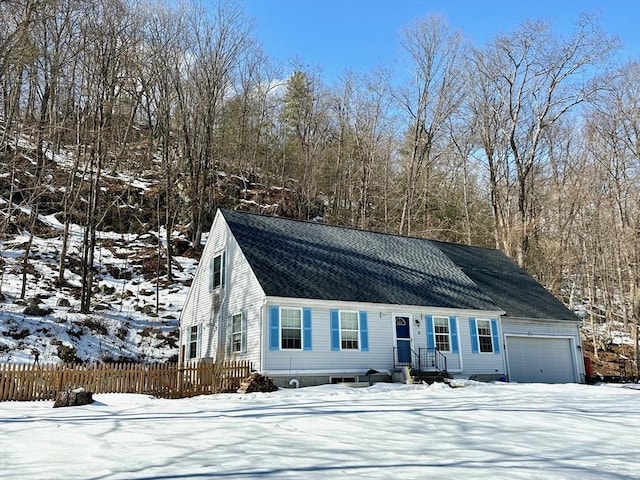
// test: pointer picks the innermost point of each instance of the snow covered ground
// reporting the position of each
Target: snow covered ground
(134, 318)
(387, 431)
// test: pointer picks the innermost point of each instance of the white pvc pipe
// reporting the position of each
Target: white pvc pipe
(294, 381)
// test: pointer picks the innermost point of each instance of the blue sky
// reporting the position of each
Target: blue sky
(337, 35)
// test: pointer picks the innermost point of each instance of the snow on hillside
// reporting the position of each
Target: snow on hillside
(124, 324)
(387, 431)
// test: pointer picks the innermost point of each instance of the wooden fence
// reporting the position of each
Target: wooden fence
(166, 380)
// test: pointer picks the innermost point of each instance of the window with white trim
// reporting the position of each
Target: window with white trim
(485, 339)
(349, 331)
(216, 271)
(291, 328)
(193, 341)
(236, 333)
(442, 333)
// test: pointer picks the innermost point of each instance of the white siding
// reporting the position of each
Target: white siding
(244, 293)
(539, 327)
(381, 336)
(478, 364)
(241, 292)
(321, 358)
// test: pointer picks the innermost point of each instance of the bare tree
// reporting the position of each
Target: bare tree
(526, 82)
(163, 79)
(614, 140)
(430, 98)
(219, 43)
(107, 34)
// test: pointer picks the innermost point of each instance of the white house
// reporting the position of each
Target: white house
(309, 303)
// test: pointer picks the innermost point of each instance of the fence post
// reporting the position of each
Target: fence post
(60, 379)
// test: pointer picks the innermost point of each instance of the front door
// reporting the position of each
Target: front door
(403, 339)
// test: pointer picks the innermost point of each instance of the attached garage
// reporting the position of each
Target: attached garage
(540, 359)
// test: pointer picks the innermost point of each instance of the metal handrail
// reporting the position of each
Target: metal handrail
(413, 355)
(435, 359)
(423, 359)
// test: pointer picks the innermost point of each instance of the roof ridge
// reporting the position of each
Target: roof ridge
(357, 229)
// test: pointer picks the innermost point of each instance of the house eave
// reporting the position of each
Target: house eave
(576, 321)
(398, 308)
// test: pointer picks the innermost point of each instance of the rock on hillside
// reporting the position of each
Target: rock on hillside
(135, 306)
(134, 313)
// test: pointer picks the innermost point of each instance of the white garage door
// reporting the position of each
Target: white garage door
(540, 360)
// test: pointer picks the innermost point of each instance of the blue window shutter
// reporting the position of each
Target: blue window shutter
(335, 330)
(364, 332)
(474, 335)
(431, 340)
(496, 337)
(306, 329)
(453, 330)
(274, 328)
(244, 330)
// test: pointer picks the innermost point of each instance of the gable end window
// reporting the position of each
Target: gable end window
(216, 272)
(236, 333)
(193, 342)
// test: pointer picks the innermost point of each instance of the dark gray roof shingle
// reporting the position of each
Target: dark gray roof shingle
(299, 259)
(515, 290)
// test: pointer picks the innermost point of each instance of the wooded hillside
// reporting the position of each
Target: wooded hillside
(528, 143)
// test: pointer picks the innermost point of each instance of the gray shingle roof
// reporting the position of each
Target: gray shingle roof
(515, 290)
(298, 259)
